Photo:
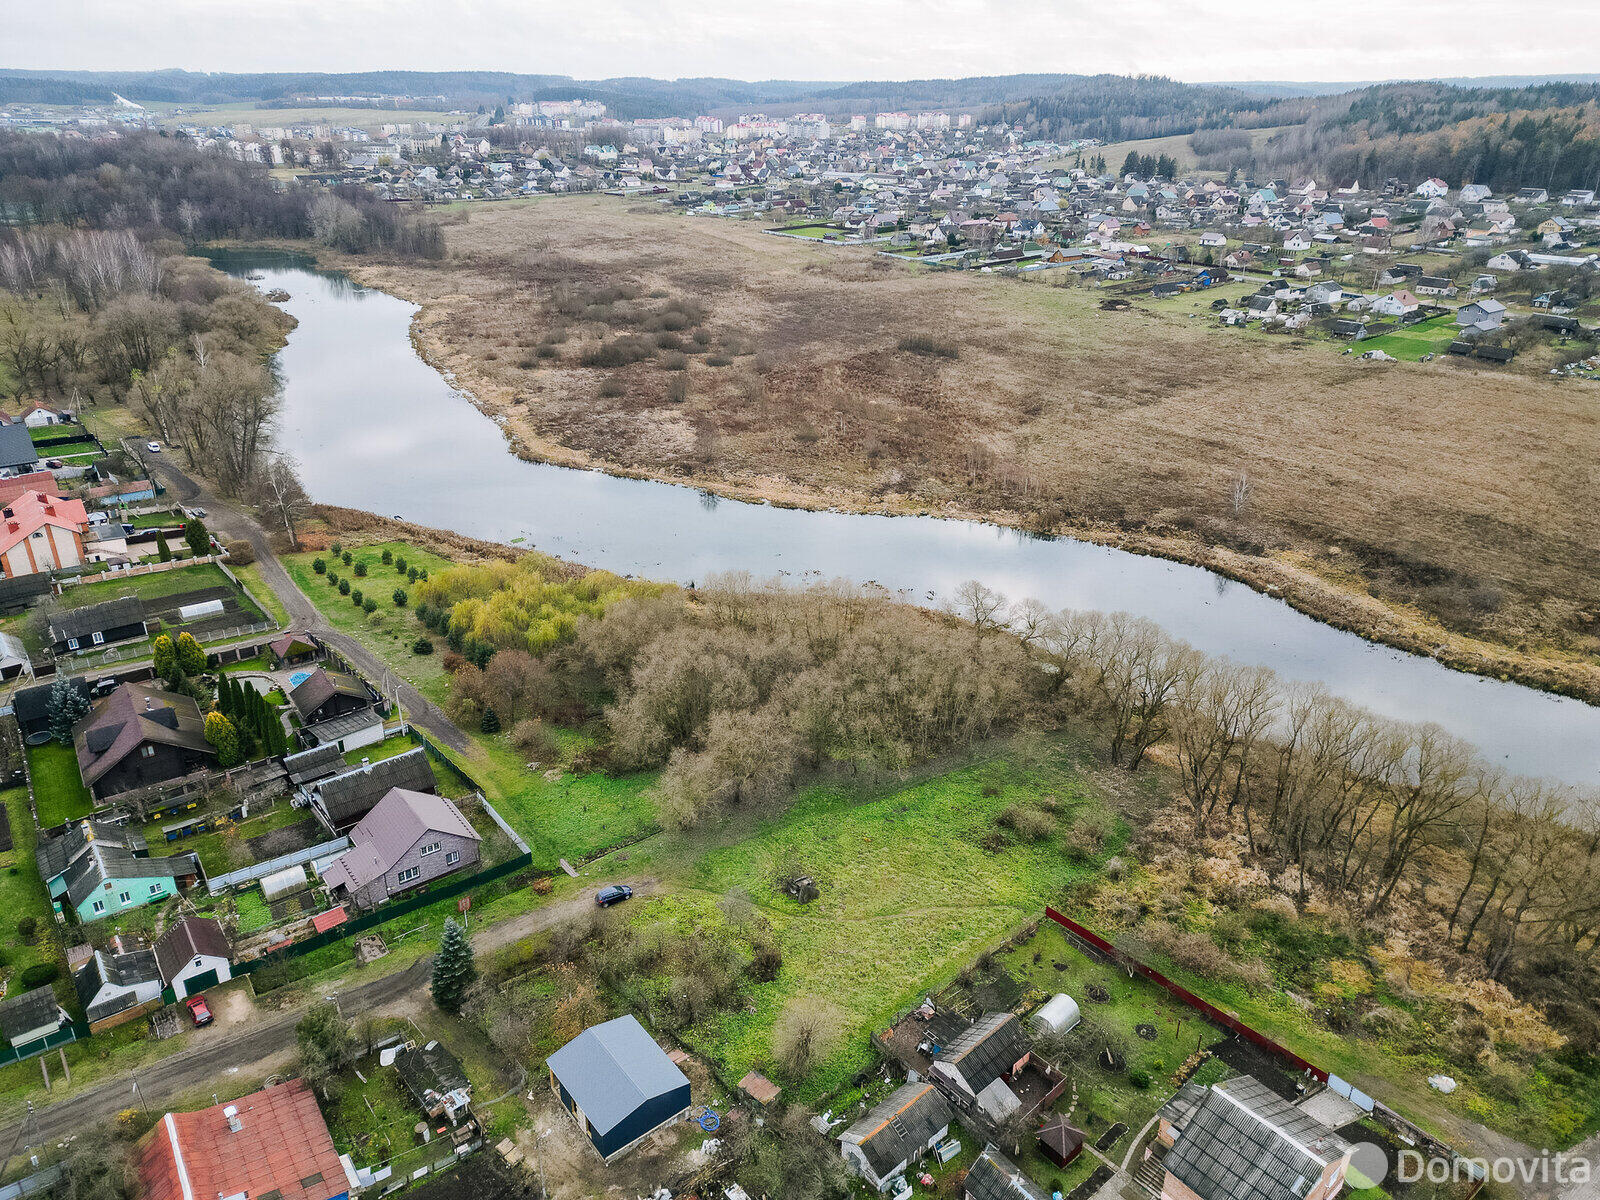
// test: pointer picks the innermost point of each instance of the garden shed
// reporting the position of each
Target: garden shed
(618, 1084)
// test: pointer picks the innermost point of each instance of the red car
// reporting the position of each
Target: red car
(198, 1012)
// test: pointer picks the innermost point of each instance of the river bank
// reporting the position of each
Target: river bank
(1330, 594)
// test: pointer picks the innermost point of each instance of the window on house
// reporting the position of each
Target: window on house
(155, 889)
(98, 638)
(72, 643)
(99, 906)
(452, 858)
(410, 873)
(124, 897)
(431, 848)
(147, 751)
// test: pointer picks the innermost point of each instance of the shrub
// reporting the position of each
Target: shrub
(399, 597)
(39, 974)
(355, 597)
(1140, 1079)
(546, 350)
(929, 346)
(678, 389)
(344, 587)
(28, 929)
(1029, 824)
(490, 722)
(369, 605)
(346, 558)
(387, 556)
(318, 566)
(241, 553)
(412, 574)
(400, 564)
(533, 740)
(335, 549)
(422, 646)
(360, 569)
(611, 387)
(675, 361)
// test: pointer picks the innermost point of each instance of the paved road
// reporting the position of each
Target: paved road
(270, 1044)
(231, 523)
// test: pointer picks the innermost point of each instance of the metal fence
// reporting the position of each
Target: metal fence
(260, 870)
(40, 1181)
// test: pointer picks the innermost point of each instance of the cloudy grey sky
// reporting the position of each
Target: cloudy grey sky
(816, 39)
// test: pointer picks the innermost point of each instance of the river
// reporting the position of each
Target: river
(374, 427)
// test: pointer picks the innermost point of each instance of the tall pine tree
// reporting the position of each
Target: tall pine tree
(453, 968)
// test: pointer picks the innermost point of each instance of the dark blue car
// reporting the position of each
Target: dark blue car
(614, 893)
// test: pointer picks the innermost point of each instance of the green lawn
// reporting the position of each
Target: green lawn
(22, 893)
(160, 520)
(149, 587)
(57, 785)
(250, 575)
(915, 883)
(1411, 343)
(46, 432)
(78, 449)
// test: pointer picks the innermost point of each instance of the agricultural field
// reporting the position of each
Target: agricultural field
(711, 352)
(255, 114)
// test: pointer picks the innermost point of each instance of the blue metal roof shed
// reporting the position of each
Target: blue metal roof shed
(619, 1085)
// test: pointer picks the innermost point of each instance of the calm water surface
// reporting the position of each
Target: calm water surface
(376, 428)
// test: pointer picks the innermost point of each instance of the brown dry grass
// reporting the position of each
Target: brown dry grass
(1461, 498)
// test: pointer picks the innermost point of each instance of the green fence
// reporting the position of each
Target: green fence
(60, 1037)
(387, 913)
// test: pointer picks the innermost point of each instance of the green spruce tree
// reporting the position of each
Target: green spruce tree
(66, 707)
(453, 968)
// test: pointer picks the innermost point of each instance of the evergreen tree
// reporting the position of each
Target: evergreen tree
(490, 722)
(166, 656)
(191, 659)
(198, 538)
(163, 551)
(67, 706)
(453, 968)
(222, 735)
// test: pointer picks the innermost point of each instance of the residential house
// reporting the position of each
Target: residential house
(1435, 285)
(895, 1133)
(972, 1070)
(307, 766)
(27, 1018)
(193, 955)
(1240, 1140)
(408, 840)
(1487, 313)
(341, 800)
(336, 707)
(993, 1176)
(14, 657)
(41, 416)
(1396, 304)
(269, 1145)
(99, 870)
(140, 736)
(96, 625)
(117, 986)
(1511, 260)
(41, 532)
(618, 1085)
(17, 455)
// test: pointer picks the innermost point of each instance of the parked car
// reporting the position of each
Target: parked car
(53, 464)
(197, 512)
(614, 893)
(199, 1011)
(153, 447)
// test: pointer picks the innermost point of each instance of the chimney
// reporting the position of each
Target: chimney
(149, 703)
(366, 762)
(232, 1113)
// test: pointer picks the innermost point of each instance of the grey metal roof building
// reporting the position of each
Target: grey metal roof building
(619, 1085)
(342, 800)
(995, 1177)
(896, 1132)
(111, 983)
(315, 763)
(987, 1050)
(1245, 1142)
(16, 448)
(29, 1016)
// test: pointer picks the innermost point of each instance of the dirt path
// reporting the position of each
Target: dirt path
(230, 523)
(270, 1045)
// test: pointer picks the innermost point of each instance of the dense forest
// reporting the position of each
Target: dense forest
(1117, 108)
(150, 181)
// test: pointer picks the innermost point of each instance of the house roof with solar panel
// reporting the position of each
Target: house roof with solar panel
(1242, 1141)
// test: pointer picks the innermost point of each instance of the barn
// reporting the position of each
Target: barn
(618, 1084)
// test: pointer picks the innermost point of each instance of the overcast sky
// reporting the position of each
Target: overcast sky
(816, 39)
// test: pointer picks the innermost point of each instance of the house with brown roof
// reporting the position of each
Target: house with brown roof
(193, 955)
(139, 736)
(293, 648)
(339, 708)
(269, 1145)
(408, 839)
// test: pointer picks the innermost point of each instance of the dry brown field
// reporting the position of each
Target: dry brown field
(1438, 506)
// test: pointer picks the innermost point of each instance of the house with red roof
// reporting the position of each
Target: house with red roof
(272, 1143)
(41, 532)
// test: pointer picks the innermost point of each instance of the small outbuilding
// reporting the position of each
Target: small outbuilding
(1056, 1015)
(1061, 1142)
(618, 1085)
(193, 955)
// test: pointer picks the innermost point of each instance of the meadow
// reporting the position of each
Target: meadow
(610, 333)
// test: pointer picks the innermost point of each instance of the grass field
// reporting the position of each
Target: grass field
(915, 883)
(1411, 343)
(22, 892)
(360, 118)
(57, 785)
(148, 587)
(811, 401)
(250, 575)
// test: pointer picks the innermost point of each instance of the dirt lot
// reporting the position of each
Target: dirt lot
(771, 367)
